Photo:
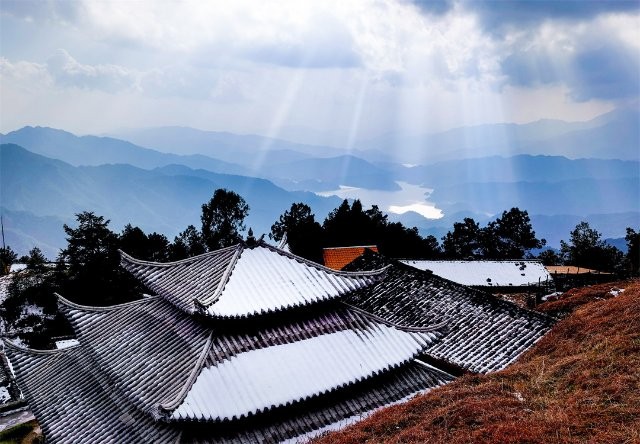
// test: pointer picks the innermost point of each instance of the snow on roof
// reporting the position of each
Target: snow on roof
(66, 343)
(486, 273)
(240, 282)
(484, 333)
(266, 378)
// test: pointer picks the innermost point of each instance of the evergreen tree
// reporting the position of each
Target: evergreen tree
(223, 219)
(304, 235)
(465, 241)
(586, 249)
(7, 257)
(189, 243)
(93, 264)
(36, 260)
(633, 250)
(509, 236)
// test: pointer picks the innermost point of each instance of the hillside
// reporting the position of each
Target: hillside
(578, 384)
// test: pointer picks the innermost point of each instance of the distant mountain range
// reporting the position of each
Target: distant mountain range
(48, 175)
(615, 135)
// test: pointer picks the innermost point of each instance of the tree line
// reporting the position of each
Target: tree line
(87, 270)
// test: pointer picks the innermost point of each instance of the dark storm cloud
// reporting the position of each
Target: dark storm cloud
(606, 70)
(495, 16)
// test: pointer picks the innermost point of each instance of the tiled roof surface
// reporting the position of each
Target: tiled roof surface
(487, 273)
(293, 422)
(262, 379)
(338, 257)
(147, 360)
(154, 371)
(184, 281)
(240, 282)
(148, 346)
(484, 333)
(75, 404)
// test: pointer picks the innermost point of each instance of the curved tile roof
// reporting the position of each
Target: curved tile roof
(75, 404)
(484, 333)
(262, 379)
(148, 346)
(239, 282)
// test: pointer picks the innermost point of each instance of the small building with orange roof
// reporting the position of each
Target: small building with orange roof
(337, 257)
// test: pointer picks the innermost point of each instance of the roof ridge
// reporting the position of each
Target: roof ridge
(174, 403)
(66, 302)
(124, 256)
(321, 267)
(203, 305)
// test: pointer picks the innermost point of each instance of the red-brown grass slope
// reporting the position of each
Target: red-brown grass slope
(580, 383)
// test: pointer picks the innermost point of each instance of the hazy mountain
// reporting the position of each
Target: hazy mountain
(518, 168)
(165, 200)
(576, 196)
(92, 150)
(24, 230)
(326, 174)
(615, 135)
(236, 148)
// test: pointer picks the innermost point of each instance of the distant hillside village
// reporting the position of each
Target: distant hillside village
(219, 336)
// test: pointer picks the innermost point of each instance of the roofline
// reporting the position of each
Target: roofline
(470, 260)
(379, 271)
(261, 243)
(174, 403)
(130, 258)
(351, 246)
(66, 302)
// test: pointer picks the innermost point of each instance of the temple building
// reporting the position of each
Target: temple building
(254, 344)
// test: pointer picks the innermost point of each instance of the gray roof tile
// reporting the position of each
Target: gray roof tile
(484, 333)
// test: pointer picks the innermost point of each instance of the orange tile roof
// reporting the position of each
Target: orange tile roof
(338, 257)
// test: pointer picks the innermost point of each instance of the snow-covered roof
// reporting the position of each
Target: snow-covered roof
(487, 273)
(261, 379)
(148, 370)
(240, 282)
(484, 333)
(147, 360)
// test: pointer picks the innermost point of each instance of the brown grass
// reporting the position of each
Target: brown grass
(579, 384)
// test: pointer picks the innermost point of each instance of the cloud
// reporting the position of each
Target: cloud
(24, 75)
(497, 16)
(64, 11)
(595, 60)
(68, 72)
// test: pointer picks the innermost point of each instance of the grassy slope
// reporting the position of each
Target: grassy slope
(580, 383)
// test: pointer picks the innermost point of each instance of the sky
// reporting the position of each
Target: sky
(335, 72)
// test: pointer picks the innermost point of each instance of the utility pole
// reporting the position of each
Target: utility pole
(2, 225)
